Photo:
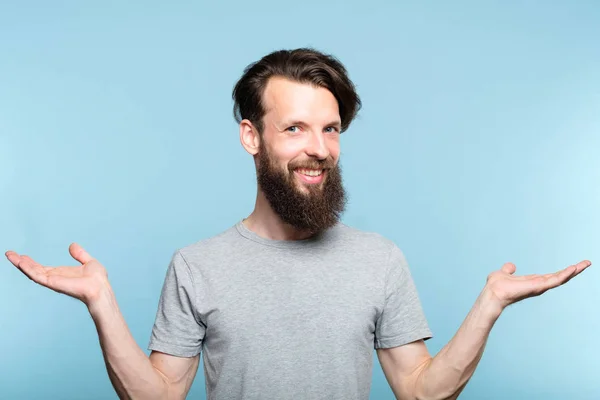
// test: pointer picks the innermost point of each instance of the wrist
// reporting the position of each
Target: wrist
(101, 302)
(489, 304)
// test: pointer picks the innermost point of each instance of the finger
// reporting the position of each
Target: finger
(569, 272)
(583, 265)
(550, 281)
(33, 270)
(577, 269)
(78, 253)
(509, 268)
(36, 265)
(57, 279)
(26, 265)
(15, 260)
(13, 257)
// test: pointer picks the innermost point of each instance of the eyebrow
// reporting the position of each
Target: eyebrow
(337, 123)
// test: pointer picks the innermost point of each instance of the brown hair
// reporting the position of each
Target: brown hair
(302, 65)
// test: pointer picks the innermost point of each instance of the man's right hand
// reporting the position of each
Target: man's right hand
(86, 282)
(132, 373)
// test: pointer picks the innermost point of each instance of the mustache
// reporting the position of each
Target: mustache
(313, 164)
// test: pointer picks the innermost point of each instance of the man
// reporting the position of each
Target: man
(289, 303)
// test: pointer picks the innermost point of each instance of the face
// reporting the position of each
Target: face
(298, 156)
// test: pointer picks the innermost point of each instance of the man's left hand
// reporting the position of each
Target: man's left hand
(504, 288)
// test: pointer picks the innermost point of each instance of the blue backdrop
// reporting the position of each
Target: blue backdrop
(478, 144)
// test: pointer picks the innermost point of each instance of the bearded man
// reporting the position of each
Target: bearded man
(289, 303)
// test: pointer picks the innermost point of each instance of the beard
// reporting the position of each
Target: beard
(315, 210)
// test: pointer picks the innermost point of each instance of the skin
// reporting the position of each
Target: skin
(301, 122)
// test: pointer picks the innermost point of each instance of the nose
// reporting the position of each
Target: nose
(317, 146)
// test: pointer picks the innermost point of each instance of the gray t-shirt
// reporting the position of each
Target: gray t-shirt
(288, 319)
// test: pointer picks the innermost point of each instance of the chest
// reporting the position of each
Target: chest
(274, 301)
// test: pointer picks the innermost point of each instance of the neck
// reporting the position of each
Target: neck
(266, 223)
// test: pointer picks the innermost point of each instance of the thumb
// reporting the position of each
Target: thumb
(78, 253)
(509, 268)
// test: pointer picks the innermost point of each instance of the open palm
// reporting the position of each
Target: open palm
(84, 282)
(508, 288)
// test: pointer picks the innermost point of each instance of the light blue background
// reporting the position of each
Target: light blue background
(478, 144)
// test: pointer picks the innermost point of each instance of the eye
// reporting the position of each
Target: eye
(331, 129)
(293, 129)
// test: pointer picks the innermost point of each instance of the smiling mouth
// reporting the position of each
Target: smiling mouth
(310, 176)
(309, 172)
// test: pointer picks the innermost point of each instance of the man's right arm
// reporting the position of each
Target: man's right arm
(133, 374)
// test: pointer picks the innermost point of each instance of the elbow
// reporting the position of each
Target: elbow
(166, 391)
(437, 396)
(437, 393)
(428, 387)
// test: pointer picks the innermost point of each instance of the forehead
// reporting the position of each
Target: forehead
(284, 98)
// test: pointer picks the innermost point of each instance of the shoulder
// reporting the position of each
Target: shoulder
(362, 239)
(217, 244)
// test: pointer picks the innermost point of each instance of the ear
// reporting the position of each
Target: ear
(249, 137)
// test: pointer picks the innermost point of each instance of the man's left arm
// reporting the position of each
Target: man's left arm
(413, 374)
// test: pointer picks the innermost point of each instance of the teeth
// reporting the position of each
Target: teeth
(310, 172)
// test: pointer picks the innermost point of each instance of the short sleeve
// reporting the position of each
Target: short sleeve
(177, 330)
(402, 319)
